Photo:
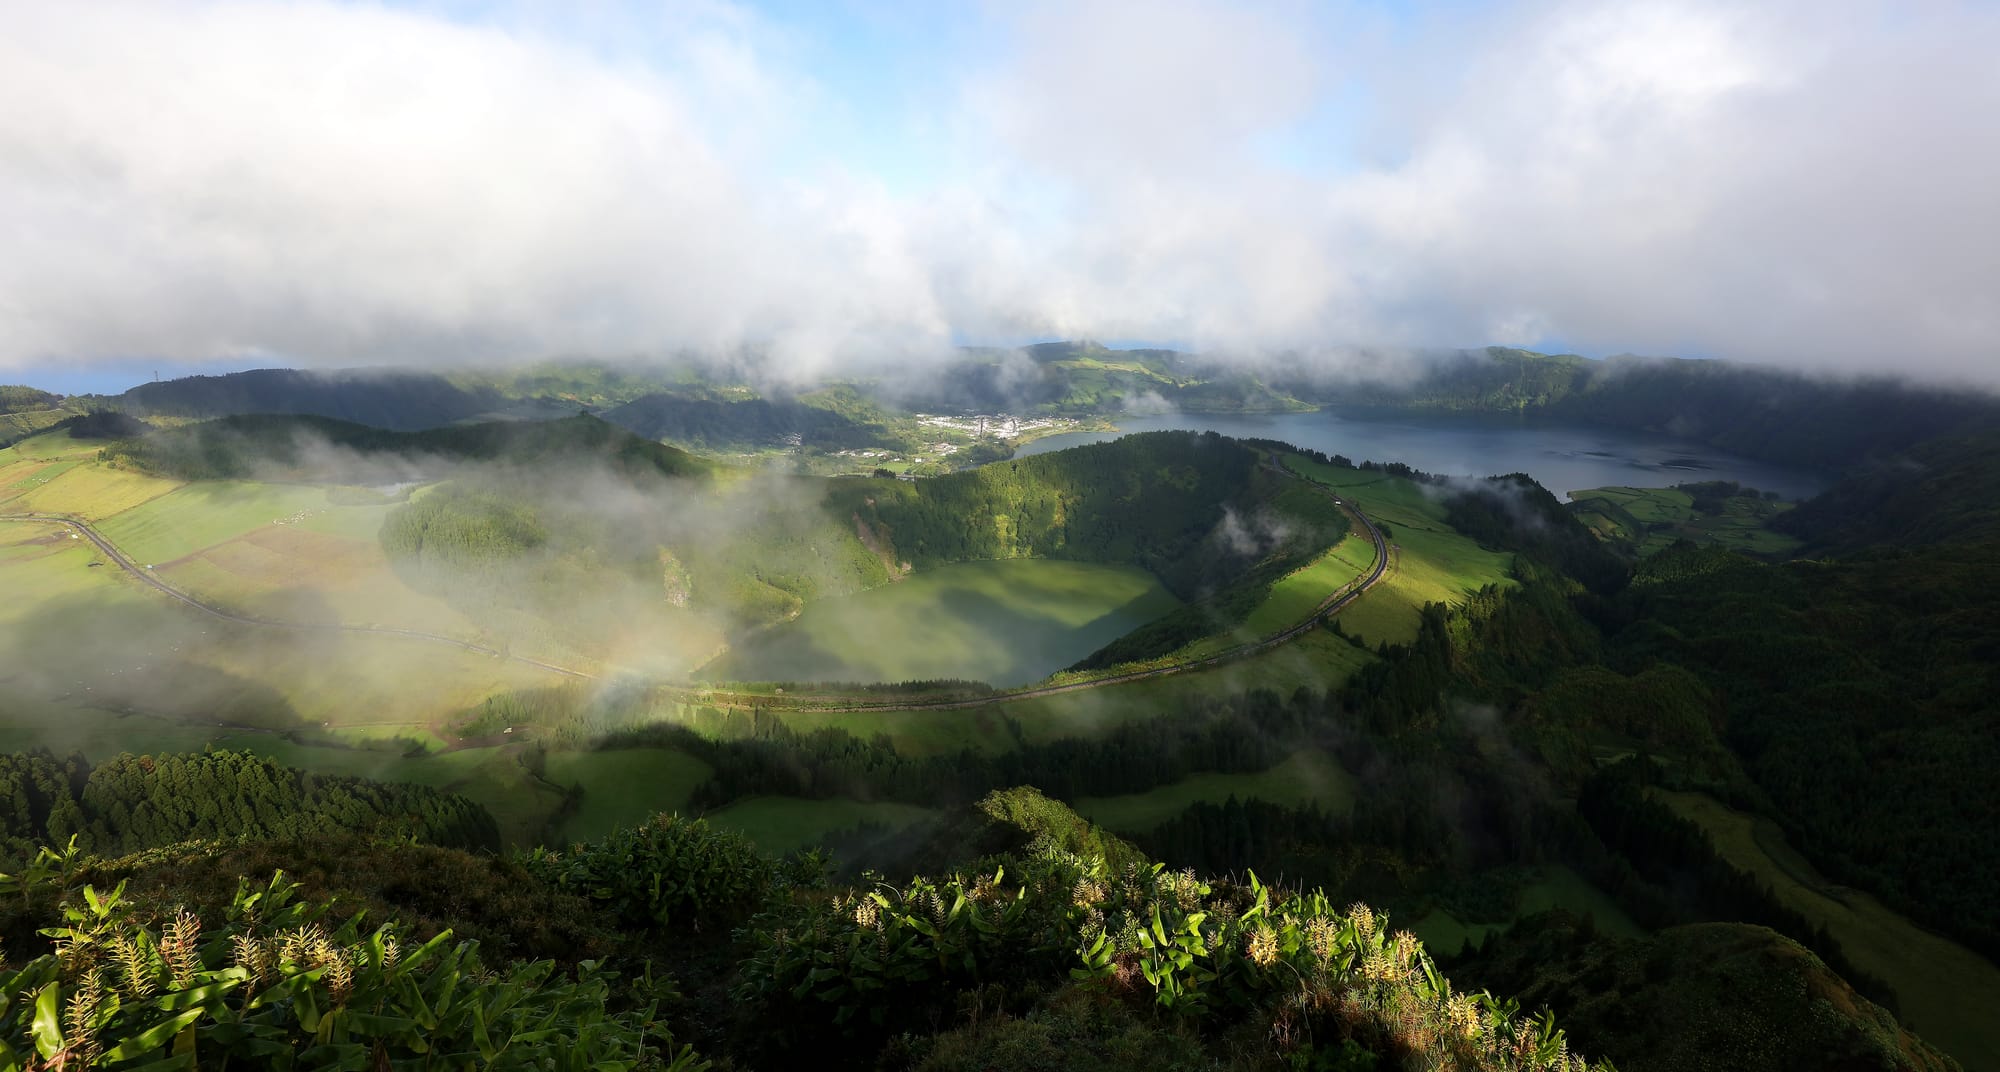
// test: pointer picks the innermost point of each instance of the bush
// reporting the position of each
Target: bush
(276, 985)
(671, 874)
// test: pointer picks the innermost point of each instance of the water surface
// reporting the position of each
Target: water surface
(1563, 458)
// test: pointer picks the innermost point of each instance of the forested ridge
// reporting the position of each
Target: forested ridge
(1764, 413)
(1154, 500)
(336, 451)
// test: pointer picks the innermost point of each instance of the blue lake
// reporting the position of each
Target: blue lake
(1563, 458)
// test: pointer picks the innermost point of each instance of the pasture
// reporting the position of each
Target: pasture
(198, 516)
(1947, 992)
(1309, 777)
(1005, 622)
(1649, 520)
(783, 824)
(1430, 562)
(624, 787)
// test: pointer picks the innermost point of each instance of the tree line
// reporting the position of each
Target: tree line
(137, 802)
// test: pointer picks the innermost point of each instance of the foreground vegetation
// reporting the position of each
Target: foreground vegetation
(1056, 923)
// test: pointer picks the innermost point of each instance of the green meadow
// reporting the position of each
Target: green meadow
(1310, 777)
(1006, 623)
(1429, 561)
(624, 787)
(1650, 520)
(198, 516)
(782, 824)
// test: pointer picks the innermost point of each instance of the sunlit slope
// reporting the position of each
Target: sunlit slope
(1430, 562)
(1006, 622)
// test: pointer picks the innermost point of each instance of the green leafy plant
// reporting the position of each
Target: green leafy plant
(670, 873)
(279, 986)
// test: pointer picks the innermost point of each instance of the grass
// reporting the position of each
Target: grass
(1650, 519)
(783, 824)
(625, 787)
(1309, 777)
(1552, 887)
(1429, 561)
(92, 492)
(199, 516)
(1008, 623)
(1948, 993)
(1293, 598)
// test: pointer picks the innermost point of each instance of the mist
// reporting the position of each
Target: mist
(1321, 186)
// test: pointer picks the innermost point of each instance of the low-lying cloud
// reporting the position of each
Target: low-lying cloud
(1790, 183)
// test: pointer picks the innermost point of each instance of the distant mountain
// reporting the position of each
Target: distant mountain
(711, 423)
(1764, 413)
(294, 447)
(1087, 378)
(401, 401)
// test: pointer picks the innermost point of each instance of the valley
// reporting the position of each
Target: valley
(1221, 650)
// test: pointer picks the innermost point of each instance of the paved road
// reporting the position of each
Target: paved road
(1333, 603)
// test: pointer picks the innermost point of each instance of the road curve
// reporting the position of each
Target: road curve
(1333, 604)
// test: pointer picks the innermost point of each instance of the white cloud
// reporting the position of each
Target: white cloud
(1798, 183)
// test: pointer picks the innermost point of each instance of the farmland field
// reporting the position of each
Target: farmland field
(1006, 623)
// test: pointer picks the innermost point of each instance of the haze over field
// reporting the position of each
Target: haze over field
(856, 185)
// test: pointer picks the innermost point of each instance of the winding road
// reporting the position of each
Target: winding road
(1333, 603)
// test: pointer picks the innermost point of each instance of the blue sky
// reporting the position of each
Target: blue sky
(860, 184)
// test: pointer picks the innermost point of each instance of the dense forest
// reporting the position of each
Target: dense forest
(136, 802)
(334, 451)
(740, 424)
(15, 398)
(402, 401)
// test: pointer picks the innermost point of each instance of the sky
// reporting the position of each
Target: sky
(861, 184)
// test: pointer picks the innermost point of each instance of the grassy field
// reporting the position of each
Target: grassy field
(198, 516)
(1552, 887)
(1318, 660)
(782, 824)
(1649, 520)
(1948, 993)
(1006, 623)
(1293, 597)
(1310, 777)
(624, 787)
(1429, 561)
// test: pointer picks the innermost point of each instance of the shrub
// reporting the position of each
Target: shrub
(670, 873)
(278, 986)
